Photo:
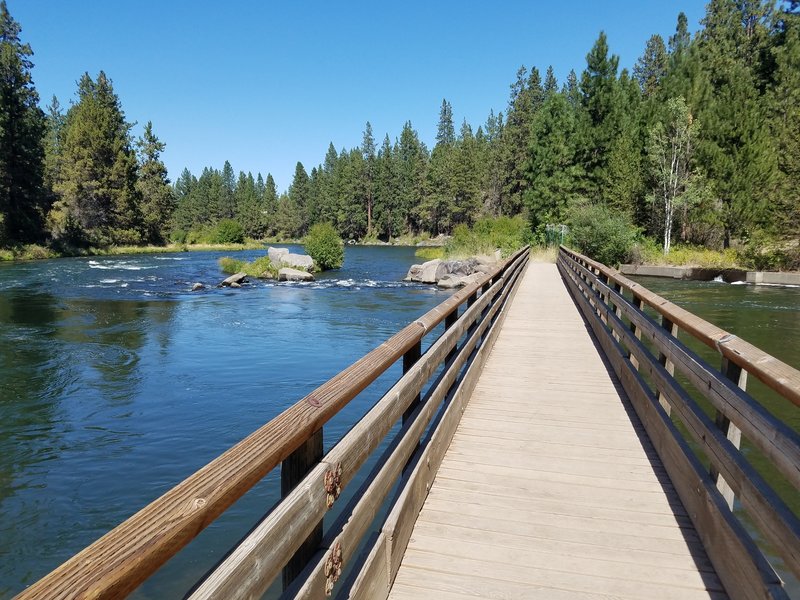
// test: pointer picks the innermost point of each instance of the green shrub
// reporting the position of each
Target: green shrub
(261, 267)
(229, 232)
(601, 234)
(325, 246)
(178, 236)
(507, 234)
(231, 265)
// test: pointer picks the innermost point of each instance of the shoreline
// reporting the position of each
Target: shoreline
(728, 275)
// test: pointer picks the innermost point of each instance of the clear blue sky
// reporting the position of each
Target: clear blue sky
(265, 84)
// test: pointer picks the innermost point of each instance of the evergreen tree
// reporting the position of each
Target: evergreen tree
(227, 204)
(784, 102)
(22, 126)
(98, 202)
(550, 82)
(53, 141)
(527, 96)
(412, 162)
(183, 217)
(368, 152)
(445, 133)
(389, 220)
(735, 147)
(249, 208)
(270, 204)
(652, 66)
(600, 117)
(552, 169)
(295, 211)
(493, 158)
(157, 198)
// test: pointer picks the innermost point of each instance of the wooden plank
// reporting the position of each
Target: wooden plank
(528, 511)
(372, 582)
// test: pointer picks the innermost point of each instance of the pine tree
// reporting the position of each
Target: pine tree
(23, 202)
(270, 204)
(785, 102)
(227, 204)
(445, 133)
(651, 66)
(550, 82)
(368, 152)
(98, 202)
(297, 222)
(389, 221)
(552, 170)
(53, 140)
(157, 198)
(735, 147)
(412, 163)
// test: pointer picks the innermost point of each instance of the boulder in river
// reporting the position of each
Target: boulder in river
(289, 274)
(196, 287)
(424, 273)
(237, 278)
(450, 273)
(275, 254)
(282, 256)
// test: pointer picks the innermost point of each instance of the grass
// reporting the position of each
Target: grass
(261, 268)
(544, 254)
(684, 255)
(36, 252)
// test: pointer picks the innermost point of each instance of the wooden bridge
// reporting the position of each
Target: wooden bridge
(556, 439)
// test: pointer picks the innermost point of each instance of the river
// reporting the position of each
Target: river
(117, 381)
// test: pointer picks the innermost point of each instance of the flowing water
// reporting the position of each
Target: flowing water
(117, 382)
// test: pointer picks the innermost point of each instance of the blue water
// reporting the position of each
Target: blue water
(117, 382)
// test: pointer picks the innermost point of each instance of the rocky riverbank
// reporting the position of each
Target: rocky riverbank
(451, 273)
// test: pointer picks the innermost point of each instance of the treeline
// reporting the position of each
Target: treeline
(74, 178)
(698, 143)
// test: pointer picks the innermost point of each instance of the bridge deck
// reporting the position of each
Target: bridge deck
(550, 488)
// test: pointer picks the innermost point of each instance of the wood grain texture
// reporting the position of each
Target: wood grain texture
(549, 488)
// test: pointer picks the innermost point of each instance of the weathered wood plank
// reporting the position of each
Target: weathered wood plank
(503, 512)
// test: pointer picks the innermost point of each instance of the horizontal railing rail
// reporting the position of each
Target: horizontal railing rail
(620, 323)
(121, 560)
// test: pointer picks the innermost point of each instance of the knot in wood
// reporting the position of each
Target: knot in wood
(333, 568)
(333, 484)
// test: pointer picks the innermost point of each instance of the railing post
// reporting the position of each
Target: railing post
(409, 360)
(617, 309)
(672, 329)
(739, 376)
(293, 469)
(470, 301)
(449, 321)
(638, 304)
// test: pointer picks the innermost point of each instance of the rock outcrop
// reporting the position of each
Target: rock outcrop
(450, 273)
(282, 257)
(238, 278)
(289, 274)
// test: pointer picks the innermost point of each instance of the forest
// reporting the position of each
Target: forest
(697, 145)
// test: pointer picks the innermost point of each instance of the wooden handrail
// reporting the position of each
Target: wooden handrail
(741, 566)
(774, 373)
(118, 562)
